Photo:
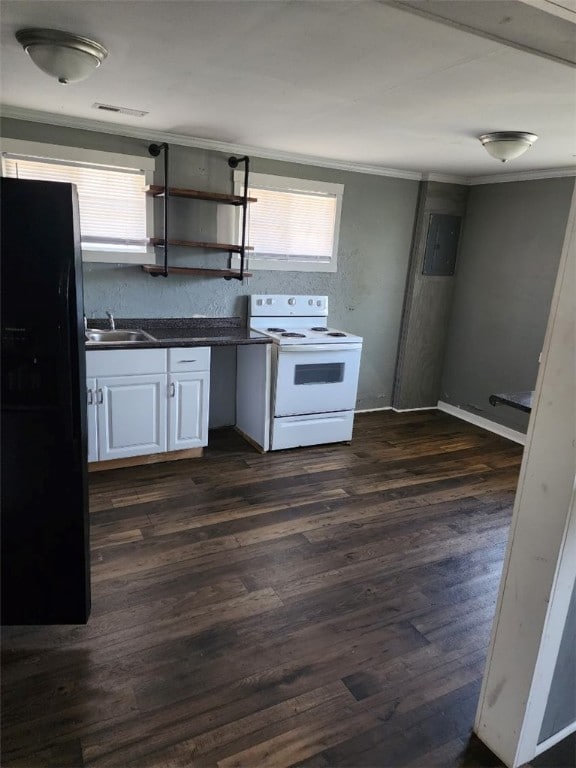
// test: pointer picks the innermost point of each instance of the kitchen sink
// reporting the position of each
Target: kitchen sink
(117, 336)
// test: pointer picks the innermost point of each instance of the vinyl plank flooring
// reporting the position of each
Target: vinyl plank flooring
(311, 608)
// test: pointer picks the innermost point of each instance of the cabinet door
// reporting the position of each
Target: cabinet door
(188, 410)
(92, 419)
(131, 416)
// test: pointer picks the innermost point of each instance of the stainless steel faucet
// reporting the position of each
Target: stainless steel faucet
(111, 318)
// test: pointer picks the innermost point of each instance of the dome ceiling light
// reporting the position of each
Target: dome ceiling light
(507, 145)
(69, 58)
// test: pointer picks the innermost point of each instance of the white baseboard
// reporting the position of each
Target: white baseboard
(409, 410)
(398, 410)
(373, 410)
(480, 421)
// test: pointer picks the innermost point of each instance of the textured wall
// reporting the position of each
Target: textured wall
(506, 271)
(365, 295)
(427, 306)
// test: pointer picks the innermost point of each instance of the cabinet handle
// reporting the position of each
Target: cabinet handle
(90, 397)
(186, 361)
(100, 398)
(172, 389)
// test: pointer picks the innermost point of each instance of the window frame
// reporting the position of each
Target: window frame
(289, 184)
(37, 149)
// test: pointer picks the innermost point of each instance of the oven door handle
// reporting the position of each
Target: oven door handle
(319, 347)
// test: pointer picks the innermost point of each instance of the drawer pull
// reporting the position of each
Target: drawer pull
(186, 361)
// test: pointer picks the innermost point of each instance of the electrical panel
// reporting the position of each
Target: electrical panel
(441, 244)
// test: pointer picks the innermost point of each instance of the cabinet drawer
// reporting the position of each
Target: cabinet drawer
(188, 359)
(125, 362)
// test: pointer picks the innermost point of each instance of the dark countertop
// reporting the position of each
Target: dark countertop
(520, 400)
(180, 332)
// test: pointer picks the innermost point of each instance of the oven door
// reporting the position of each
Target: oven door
(316, 378)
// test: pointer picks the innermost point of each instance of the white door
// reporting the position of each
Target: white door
(188, 398)
(92, 419)
(316, 378)
(131, 416)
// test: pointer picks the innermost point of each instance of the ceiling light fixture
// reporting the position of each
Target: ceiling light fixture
(507, 145)
(69, 58)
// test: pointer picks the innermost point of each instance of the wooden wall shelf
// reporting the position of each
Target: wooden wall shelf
(154, 269)
(158, 242)
(158, 191)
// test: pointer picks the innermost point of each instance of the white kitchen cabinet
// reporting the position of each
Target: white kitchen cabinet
(146, 401)
(188, 409)
(189, 393)
(131, 416)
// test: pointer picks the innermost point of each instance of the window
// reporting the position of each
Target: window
(295, 223)
(115, 212)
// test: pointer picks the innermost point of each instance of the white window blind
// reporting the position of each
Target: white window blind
(294, 224)
(112, 201)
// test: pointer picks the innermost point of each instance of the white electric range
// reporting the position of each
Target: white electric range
(315, 368)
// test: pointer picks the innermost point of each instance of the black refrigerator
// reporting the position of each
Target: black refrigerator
(44, 525)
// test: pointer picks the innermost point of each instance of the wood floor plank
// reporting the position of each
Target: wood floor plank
(67, 755)
(207, 745)
(317, 607)
(401, 737)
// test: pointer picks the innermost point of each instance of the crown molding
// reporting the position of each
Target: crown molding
(133, 131)
(546, 173)
(147, 134)
(445, 178)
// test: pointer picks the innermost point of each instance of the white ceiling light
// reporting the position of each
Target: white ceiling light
(506, 145)
(68, 58)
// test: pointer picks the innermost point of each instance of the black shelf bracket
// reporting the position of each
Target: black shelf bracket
(233, 162)
(237, 200)
(154, 150)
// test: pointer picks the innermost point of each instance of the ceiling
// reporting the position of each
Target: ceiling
(355, 83)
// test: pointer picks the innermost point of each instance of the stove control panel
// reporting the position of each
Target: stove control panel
(263, 305)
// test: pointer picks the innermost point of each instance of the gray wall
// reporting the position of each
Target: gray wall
(427, 306)
(365, 295)
(506, 270)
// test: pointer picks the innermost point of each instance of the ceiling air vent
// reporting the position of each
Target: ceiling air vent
(119, 110)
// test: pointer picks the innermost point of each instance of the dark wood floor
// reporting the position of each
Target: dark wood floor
(326, 606)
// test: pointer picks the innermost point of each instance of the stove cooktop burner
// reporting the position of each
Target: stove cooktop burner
(319, 328)
(295, 335)
(336, 333)
(276, 330)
